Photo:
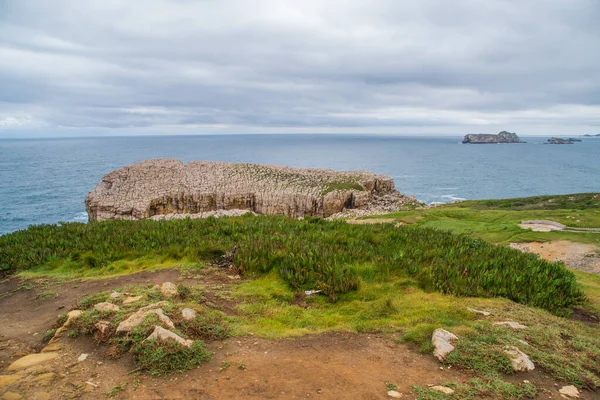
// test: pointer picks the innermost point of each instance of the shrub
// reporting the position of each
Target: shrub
(160, 358)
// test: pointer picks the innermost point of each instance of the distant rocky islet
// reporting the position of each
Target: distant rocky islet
(482, 138)
(170, 189)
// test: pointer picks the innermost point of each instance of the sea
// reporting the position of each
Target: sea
(45, 181)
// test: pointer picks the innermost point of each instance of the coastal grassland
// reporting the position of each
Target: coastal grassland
(497, 221)
(334, 257)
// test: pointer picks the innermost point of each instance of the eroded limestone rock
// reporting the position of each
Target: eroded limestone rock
(168, 289)
(188, 314)
(511, 324)
(168, 186)
(443, 389)
(31, 360)
(570, 392)
(519, 360)
(106, 306)
(161, 334)
(441, 340)
(137, 318)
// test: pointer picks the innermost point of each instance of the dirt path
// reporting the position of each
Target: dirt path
(584, 257)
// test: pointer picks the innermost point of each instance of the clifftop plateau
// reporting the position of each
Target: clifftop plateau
(170, 188)
(482, 138)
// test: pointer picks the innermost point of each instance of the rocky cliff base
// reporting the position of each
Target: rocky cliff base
(170, 188)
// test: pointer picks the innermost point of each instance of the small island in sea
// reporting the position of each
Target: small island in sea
(555, 140)
(483, 138)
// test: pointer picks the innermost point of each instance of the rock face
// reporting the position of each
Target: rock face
(555, 140)
(482, 138)
(168, 186)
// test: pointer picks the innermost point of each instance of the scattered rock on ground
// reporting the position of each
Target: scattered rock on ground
(168, 289)
(511, 324)
(82, 357)
(41, 396)
(115, 295)
(137, 318)
(443, 389)
(441, 339)
(11, 396)
(6, 380)
(102, 326)
(161, 334)
(569, 392)
(106, 306)
(481, 312)
(31, 360)
(188, 314)
(394, 394)
(132, 299)
(519, 360)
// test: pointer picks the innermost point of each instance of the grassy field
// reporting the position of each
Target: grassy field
(404, 281)
(497, 221)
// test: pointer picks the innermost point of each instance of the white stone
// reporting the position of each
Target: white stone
(519, 360)
(161, 334)
(394, 394)
(115, 295)
(569, 391)
(441, 340)
(188, 314)
(475, 311)
(82, 357)
(105, 306)
(443, 389)
(102, 326)
(168, 289)
(137, 318)
(511, 324)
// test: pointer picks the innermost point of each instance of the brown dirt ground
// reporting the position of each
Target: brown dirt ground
(584, 257)
(328, 366)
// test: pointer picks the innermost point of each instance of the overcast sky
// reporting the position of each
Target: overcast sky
(108, 67)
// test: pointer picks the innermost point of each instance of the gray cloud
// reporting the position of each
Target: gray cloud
(185, 66)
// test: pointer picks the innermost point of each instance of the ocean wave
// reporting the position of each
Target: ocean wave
(80, 217)
(452, 197)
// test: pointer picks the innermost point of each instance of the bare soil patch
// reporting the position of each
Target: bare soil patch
(584, 257)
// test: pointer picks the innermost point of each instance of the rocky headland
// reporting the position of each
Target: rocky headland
(482, 138)
(555, 140)
(168, 188)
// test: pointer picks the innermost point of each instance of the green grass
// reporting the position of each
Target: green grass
(342, 186)
(310, 254)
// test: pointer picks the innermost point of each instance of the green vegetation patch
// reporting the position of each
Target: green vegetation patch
(310, 254)
(342, 186)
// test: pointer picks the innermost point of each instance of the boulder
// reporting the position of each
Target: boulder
(102, 326)
(394, 394)
(115, 295)
(132, 299)
(169, 187)
(188, 314)
(106, 307)
(31, 360)
(441, 340)
(6, 380)
(138, 317)
(443, 389)
(511, 324)
(519, 360)
(161, 334)
(168, 289)
(570, 392)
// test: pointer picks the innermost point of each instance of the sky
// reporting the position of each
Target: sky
(107, 67)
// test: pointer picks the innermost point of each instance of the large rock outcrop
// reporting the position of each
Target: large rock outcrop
(160, 187)
(502, 137)
(555, 140)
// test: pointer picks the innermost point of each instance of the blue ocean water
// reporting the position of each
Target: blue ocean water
(46, 181)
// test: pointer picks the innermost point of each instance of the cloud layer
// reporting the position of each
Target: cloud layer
(383, 66)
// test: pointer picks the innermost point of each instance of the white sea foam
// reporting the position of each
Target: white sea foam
(452, 197)
(80, 217)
